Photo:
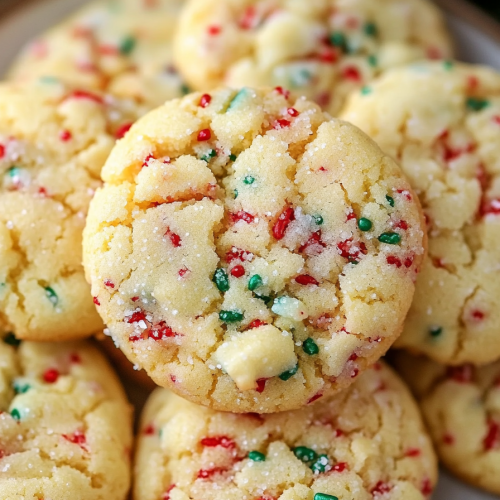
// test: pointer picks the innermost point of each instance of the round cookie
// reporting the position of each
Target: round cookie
(65, 424)
(366, 442)
(462, 408)
(322, 49)
(239, 249)
(53, 143)
(442, 122)
(119, 46)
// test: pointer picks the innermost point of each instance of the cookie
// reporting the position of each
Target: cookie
(239, 249)
(65, 424)
(118, 46)
(53, 143)
(366, 442)
(462, 408)
(442, 122)
(321, 49)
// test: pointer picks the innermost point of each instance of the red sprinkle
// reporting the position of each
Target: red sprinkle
(149, 430)
(351, 215)
(328, 55)
(214, 30)
(145, 163)
(175, 239)
(109, 283)
(315, 397)
(285, 93)
(350, 250)
(51, 375)
(492, 438)
(208, 473)
(305, 279)
(322, 169)
(340, 467)
(408, 262)
(75, 358)
(136, 317)
(281, 123)
(381, 488)
(183, 272)
(401, 224)
(461, 374)
(205, 100)
(406, 193)
(355, 373)
(293, 112)
(96, 301)
(427, 488)
(477, 315)
(434, 53)
(2, 151)
(238, 271)
(392, 260)
(281, 225)
(261, 385)
(448, 439)
(496, 119)
(255, 324)
(120, 133)
(248, 20)
(237, 254)
(166, 495)
(78, 437)
(84, 94)
(351, 73)
(212, 442)
(491, 207)
(473, 82)
(314, 239)
(353, 357)
(162, 331)
(134, 299)
(413, 452)
(65, 135)
(204, 135)
(241, 215)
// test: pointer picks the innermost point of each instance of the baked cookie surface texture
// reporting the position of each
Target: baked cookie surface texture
(65, 424)
(448, 143)
(53, 143)
(366, 442)
(322, 49)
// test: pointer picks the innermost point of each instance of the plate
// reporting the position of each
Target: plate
(478, 41)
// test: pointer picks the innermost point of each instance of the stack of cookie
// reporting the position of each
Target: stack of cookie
(252, 254)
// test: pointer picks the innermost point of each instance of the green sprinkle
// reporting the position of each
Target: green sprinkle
(324, 496)
(254, 282)
(390, 200)
(237, 99)
(320, 465)
(371, 29)
(338, 39)
(209, 156)
(230, 316)
(51, 295)
(290, 373)
(305, 454)
(10, 339)
(475, 104)
(366, 90)
(264, 298)
(318, 219)
(390, 238)
(49, 80)
(435, 331)
(15, 414)
(235, 194)
(365, 224)
(21, 388)
(232, 157)
(300, 78)
(221, 280)
(13, 172)
(310, 347)
(257, 456)
(128, 45)
(249, 180)
(185, 89)
(448, 65)
(373, 61)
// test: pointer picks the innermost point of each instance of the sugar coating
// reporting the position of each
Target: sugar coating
(322, 49)
(448, 143)
(462, 408)
(119, 46)
(366, 442)
(53, 143)
(65, 424)
(228, 232)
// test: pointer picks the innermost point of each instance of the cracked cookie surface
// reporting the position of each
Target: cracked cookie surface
(65, 424)
(366, 442)
(118, 46)
(447, 142)
(53, 143)
(322, 49)
(462, 408)
(248, 252)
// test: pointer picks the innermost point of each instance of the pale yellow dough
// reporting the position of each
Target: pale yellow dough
(322, 49)
(196, 191)
(462, 408)
(53, 142)
(368, 442)
(442, 123)
(65, 424)
(119, 46)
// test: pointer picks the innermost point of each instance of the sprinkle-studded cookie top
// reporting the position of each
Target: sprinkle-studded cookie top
(53, 143)
(442, 122)
(366, 443)
(119, 46)
(462, 408)
(65, 425)
(322, 49)
(249, 253)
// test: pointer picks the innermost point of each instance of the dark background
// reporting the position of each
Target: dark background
(491, 6)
